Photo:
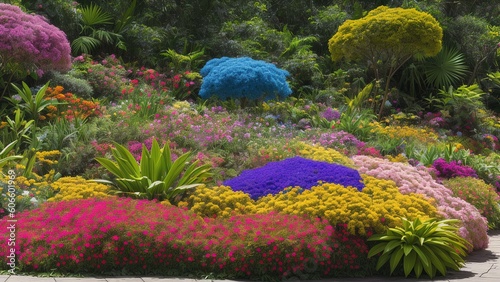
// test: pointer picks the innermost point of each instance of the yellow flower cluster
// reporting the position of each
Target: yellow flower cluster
(320, 153)
(48, 157)
(77, 187)
(220, 201)
(409, 133)
(379, 205)
(398, 159)
(182, 106)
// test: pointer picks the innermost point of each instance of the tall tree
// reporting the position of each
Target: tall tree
(386, 38)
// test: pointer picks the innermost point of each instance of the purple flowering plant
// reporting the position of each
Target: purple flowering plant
(297, 171)
(451, 169)
(29, 43)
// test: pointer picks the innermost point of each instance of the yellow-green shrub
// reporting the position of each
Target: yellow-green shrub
(320, 153)
(220, 201)
(70, 188)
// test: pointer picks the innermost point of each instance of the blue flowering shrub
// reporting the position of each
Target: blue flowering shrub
(297, 171)
(243, 78)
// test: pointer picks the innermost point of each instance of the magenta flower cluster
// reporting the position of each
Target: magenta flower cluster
(109, 235)
(452, 169)
(297, 171)
(30, 41)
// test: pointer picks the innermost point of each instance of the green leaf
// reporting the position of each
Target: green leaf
(422, 256)
(376, 249)
(409, 262)
(382, 260)
(391, 245)
(418, 268)
(395, 259)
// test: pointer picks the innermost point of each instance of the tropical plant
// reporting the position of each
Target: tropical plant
(180, 62)
(33, 104)
(4, 153)
(429, 246)
(17, 129)
(387, 38)
(445, 69)
(356, 123)
(93, 34)
(156, 176)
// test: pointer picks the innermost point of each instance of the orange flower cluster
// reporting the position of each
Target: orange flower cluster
(71, 107)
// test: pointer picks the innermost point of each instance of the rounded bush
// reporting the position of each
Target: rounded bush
(275, 176)
(243, 78)
(31, 43)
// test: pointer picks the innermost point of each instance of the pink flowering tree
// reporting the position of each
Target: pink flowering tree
(29, 45)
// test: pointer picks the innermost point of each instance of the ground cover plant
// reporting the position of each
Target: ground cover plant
(252, 146)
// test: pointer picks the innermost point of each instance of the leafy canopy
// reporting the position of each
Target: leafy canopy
(387, 33)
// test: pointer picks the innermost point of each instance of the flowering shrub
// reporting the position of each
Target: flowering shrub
(452, 169)
(330, 114)
(339, 140)
(243, 78)
(407, 133)
(71, 107)
(418, 180)
(30, 43)
(379, 205)
(483, 196)
(107, 77)
(71, 188)
(219, 201)
(30, 191)
(296, 171)
(99, 235)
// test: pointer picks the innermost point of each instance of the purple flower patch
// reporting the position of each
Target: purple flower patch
(275, 176)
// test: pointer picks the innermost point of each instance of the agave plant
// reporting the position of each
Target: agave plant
(429, 246)
(156, 176)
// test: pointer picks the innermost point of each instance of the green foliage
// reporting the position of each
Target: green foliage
(72, 84)
(445, 69)
(456, 100)
(428, 246)
(60, 133)
(357, 123)
(157, 176)
(327, 21)
(17, 129)
(483, 196)
(93, 34)
(180, 62)
(479, 44)
(31, 104)
(5, 155)
(61, 13)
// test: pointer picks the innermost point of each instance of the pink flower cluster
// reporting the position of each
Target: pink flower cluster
(110, 234)
(30, 41)
(411, 179)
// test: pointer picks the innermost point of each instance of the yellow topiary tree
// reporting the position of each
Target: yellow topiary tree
(386, 38)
